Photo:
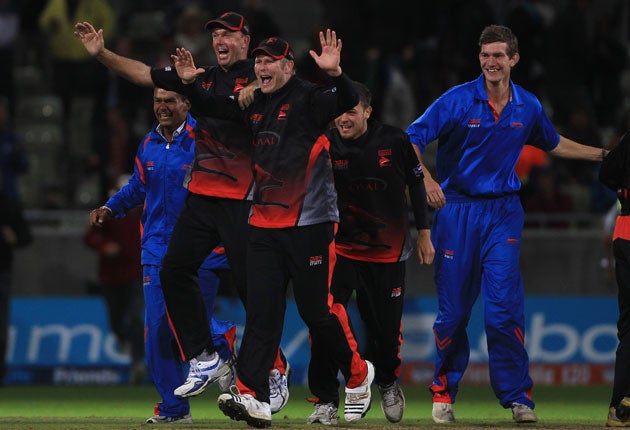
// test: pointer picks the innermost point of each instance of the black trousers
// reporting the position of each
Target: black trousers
(203, 223)
(305, 256)
(380, 291)
(621, 383)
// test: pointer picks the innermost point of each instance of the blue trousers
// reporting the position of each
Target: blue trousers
(162, 354)
(477, 245)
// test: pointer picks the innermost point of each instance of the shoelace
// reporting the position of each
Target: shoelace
(323, 409)
(194, 371)
(356, 397)
(390, 395)
(274, 385)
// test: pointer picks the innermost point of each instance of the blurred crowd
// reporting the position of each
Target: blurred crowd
(80, 125)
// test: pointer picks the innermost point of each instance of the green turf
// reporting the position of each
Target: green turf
(126, 407)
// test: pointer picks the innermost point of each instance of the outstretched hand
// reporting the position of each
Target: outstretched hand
(330, 58)
(93, 40)
(99, 215)
(185, 65)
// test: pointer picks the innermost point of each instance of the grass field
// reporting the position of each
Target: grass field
(126, 407)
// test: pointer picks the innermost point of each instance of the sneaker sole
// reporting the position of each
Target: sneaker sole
(330, 423)
(182, 421)
(440, 421)
(237, 412)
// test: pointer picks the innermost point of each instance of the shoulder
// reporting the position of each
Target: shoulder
(242, 68)
(387, 130)
(525, 97)
(459, 96)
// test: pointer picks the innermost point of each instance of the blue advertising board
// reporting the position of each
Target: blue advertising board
(67, 340)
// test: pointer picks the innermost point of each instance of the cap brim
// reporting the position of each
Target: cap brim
(216, 23)
(265, 51)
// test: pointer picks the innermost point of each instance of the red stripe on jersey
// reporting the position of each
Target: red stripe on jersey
(622, 228)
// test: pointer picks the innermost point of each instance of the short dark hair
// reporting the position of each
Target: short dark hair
(499, 33)
(365, 96)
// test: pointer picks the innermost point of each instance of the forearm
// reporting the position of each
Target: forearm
(132, 70)
(418, 198)
(568, 148)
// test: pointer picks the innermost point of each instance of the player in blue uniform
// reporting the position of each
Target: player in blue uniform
(162, 161)
(481, 128)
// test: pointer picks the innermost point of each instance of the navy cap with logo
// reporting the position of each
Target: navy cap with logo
(229, 20)
(274, 47)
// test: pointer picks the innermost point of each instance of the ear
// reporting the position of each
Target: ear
(368, 112)
(514, 59)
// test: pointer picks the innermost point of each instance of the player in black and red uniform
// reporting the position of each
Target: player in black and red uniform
(294, 216)
(374, 165)
(219, 194)
(615, 174)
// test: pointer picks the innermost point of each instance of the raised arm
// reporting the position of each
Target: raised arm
(185, 66)
(132, 70)
(330, 58)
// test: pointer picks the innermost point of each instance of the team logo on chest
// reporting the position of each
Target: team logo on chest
(282, 115)
(340, 164)
(384, 157)
(150, 165)
(474, 123)
(239, 84)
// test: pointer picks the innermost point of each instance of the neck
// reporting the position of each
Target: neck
(168, 134)
(498, 91)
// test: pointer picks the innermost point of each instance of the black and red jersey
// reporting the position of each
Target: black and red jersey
(615, 174)
(292, 169)
(223, 149)
(372, 174)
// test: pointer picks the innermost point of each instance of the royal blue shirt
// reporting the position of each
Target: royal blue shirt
(157, 186)
(477, 152)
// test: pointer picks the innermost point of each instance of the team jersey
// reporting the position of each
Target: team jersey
(156, 185)
(292, 169)
(476, 152)
(615, 174)
(222, 165)
(372, 174)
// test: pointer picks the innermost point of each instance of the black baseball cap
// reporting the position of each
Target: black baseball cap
(274, 47)
(231, 21)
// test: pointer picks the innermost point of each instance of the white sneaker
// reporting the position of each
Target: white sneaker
(278, 390)
(200, 374)
(442, 413)
(358, 399)
(523, 414)
(245, 408)
(325, 413)
(392, 402)
(161, 419)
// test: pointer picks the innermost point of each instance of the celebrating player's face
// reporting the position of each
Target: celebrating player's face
(229, 46)
(353, 123)
(169, 108)
(272, 74)
(495, 63)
